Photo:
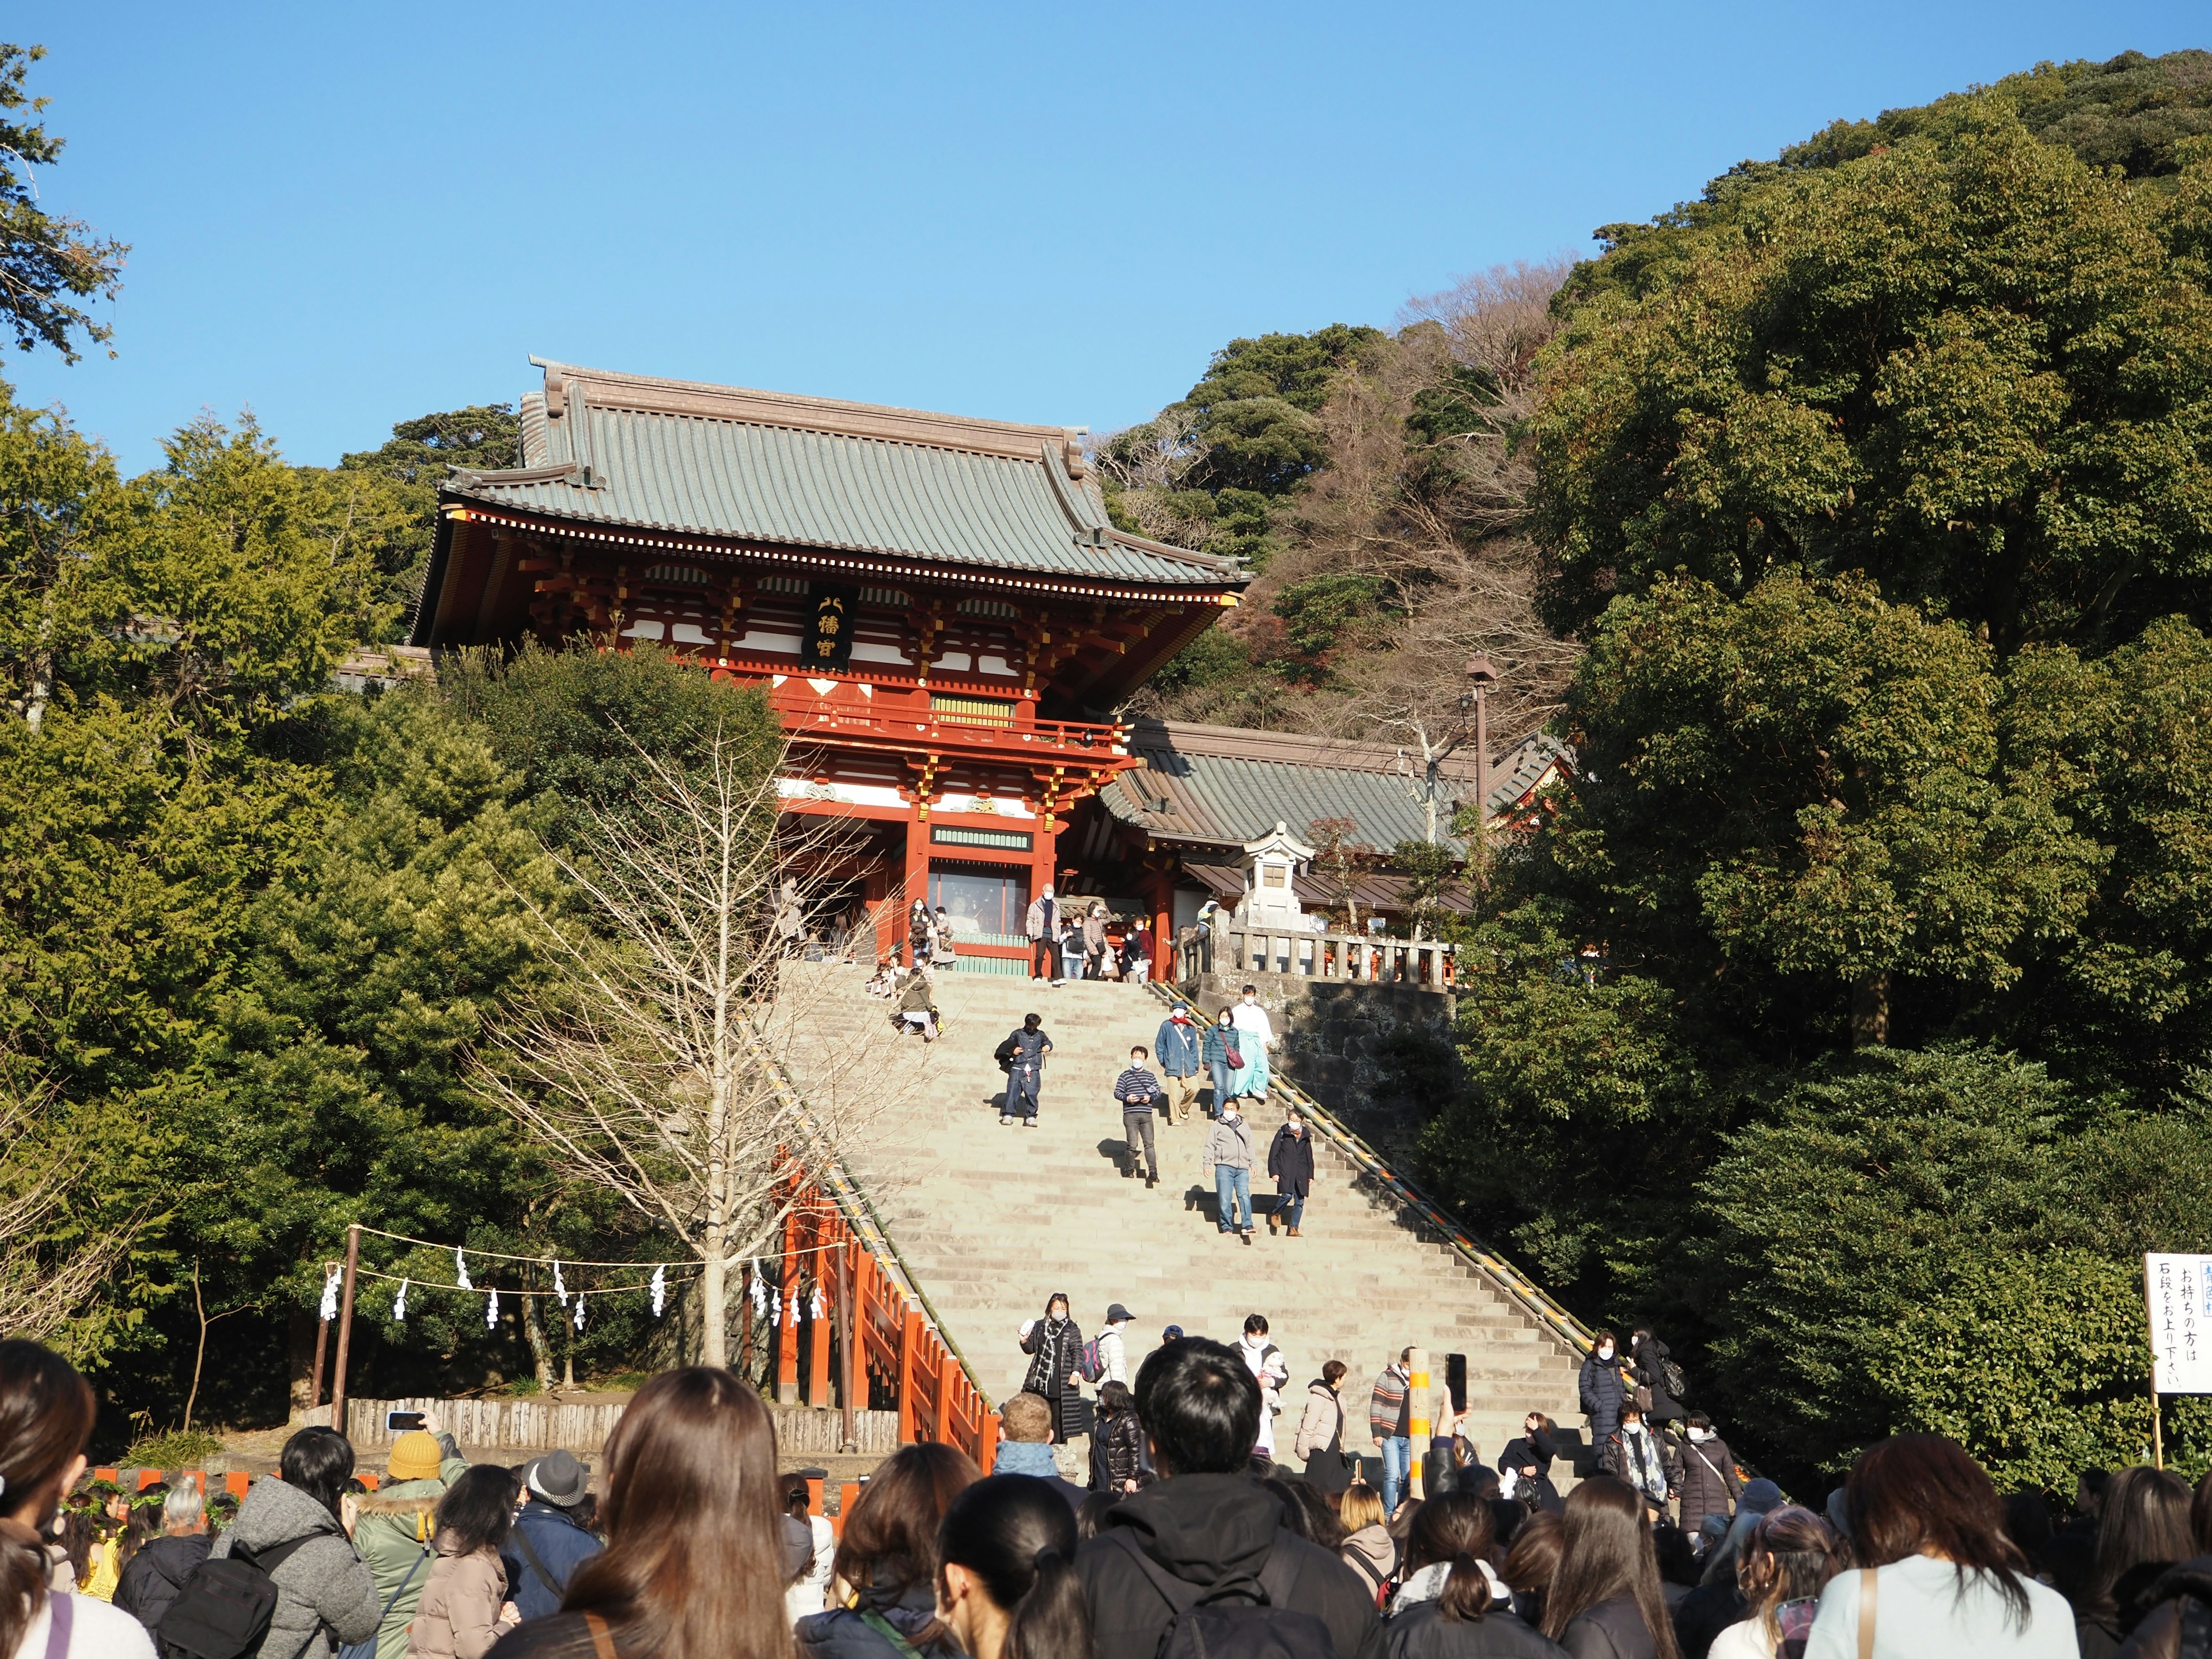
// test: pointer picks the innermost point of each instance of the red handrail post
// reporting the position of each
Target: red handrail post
(909, 1350)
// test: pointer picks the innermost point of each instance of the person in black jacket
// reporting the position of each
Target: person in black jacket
(1118, 1455)
(155, 1575)
(1055, 1345)
(1290, 1162)
(1645, 1351)
(1206, 1522)
(1529, 1460)
(1603, 1388)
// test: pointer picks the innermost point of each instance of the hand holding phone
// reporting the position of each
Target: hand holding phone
(402, 1422)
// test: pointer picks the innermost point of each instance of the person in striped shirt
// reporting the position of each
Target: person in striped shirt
(1139, 1093)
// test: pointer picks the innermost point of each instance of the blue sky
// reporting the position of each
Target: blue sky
(342, 215)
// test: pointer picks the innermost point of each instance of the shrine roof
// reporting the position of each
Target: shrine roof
(684, 456)
(1224, 784)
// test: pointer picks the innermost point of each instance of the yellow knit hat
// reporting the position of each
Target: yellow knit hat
(415, 1456)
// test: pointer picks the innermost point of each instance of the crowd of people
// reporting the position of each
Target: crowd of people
(1193, 1539)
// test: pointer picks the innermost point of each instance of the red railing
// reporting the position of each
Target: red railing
(903, 725)
(889, 1346)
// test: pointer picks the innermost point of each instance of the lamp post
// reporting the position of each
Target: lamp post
(1481, 675)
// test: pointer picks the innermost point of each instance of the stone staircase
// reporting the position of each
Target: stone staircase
(991, 1219)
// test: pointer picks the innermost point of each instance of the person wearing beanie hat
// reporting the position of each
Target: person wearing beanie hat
(393, 1532)
(549, 1539)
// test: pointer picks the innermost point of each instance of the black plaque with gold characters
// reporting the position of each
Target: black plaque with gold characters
(829, 636)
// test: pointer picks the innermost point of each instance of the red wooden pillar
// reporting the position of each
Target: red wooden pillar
(987, 1441)
(1162, 903)
(909, 1353)
(817, 1340)
(786, 1330)
(916, 886)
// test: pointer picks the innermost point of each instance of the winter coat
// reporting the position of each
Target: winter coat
(1646, 1356)
(324, 1594)
(1613, 1629)
(1055, 1351)
(1323, 1421)
(562, 1546)
(460, 1615)
(1227, 1143)
(1029, 1047)
(1291, 1161)
(1203, 1528)
(1213, 1048)
(1123, 1438)
(1094, 935)
(1602, 1391)
(1178, 1046)
(844, 1634)
(1112, 1356)
(1389, 1417)
(2158, 1635)
(153, 1576)
(97, 1629)
(1648, 1465)
(392, 1535)
(1422, 1631)
(1042, 921)
(1710, 1480)
(1371, 1554)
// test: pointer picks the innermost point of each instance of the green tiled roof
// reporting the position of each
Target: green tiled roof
(722, 462)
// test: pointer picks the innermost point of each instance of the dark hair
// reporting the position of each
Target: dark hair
(2069, 1561)
(1790, 1556)
(1506, 1516)
(2027, 1521)
(1913, 1491)
(1140, 1048)
(1247, 991)
(1478, 1481)
(2089, 1489)
(1058, 1295)
(797, 1498)
(1304, 1512)
(45, 1418)
(1674, 1554)
(890, 1543)
(316, 1461)
(1030, 1022)
(1458, 1528)
(2200, 1514)
(1114, 1398)
(1698, 1420)
(1332, 1372)
(144, 1524)
(1596, 1337)
(693, 1457)
(1199, 1402)
(1018, 1536)
(1090, 1513)
(2144, 1518)
(1605, 1551)
(1255, 1324)
(477, 1509)
(1534, 1561)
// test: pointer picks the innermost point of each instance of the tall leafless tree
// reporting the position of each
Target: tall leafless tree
(651, 1064)
(44, 1284)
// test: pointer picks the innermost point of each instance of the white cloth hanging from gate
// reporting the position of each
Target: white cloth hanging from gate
(491, 1310)
(399, 1304)
(461, 1269)
(814, 1307)
(560, 1291)
(759, 1292)
(580, 1311)
(659, 1290)
(331, 1295)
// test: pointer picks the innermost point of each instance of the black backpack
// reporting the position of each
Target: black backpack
(224, 1610)
(1239, 1617)
(1005, 1053)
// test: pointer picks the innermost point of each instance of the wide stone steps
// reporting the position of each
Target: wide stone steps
(991, 1219)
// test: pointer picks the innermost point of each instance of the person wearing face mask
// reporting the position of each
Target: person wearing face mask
(1646, 1464)
(1526, 1464)
(1257, 1037)
(1179, 1044)
(1711, 1480)
(1043, 925)
(1602, 1391)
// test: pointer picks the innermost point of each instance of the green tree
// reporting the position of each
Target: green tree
(393, 490)
(46, 261)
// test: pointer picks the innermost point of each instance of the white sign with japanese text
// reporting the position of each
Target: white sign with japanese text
(2179, 1292)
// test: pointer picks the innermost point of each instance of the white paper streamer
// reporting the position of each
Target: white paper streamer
(461, 1269)
(814, 1307)
(760, 1293)
(491, 1310)
(791, 1311)
(560, 1291)
(659, 1290)
(331, 1295)
(580, 1311)
(399, 1304)
(774, 1308)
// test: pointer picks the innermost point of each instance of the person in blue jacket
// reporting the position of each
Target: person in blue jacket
(1176, 1049)
(548, 1541)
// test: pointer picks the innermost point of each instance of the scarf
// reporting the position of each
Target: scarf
(1428, 1584)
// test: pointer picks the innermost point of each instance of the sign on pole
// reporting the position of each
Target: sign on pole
(2178, 1289)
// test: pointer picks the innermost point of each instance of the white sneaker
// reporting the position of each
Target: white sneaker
(1031, 1121)
(1005, 1117)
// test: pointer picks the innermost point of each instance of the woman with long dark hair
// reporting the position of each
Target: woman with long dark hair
(1937, 1575)
(887, 1560)
(1532, 1563)
(1605, 1602)
(1117, 1443)
(45, 1418)
(2142, 1528)
(299, 1530)
(464, 1608)
(1786, 1562)
(1055, 1345)
(693, 1567)
(1452, 1605)
(1006, 1573)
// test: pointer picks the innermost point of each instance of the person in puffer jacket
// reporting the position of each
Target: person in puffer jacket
(394, 1529)
(464, 1606)
(325, 1596)
(1120, 1438)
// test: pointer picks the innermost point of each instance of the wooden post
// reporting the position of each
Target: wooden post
(345, 1329)
(1417, 1413)
(2157, 1429)
(849, 1331)
(322, 1347)
(787, 1326)
(745, 1325)
(909, 1350)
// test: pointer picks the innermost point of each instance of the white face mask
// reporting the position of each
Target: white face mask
(1701, 1434)
(1605, 1351)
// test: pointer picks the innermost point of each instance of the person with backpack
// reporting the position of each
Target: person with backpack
(1659, 1380)
(1226, 1159)
(1204, 1560)
(1055, 1345)
(1005, 1574)
(1179, 1047)
(1711, 1479)
(464, 1606)
(549, 1543)
(395, 1525)
(158, 1570)
(1138, 1093)
(694, 1567)
(46, 1419)
(1022, 1053)
(297, 1532)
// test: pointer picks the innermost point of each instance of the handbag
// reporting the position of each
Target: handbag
(1233, 1055)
